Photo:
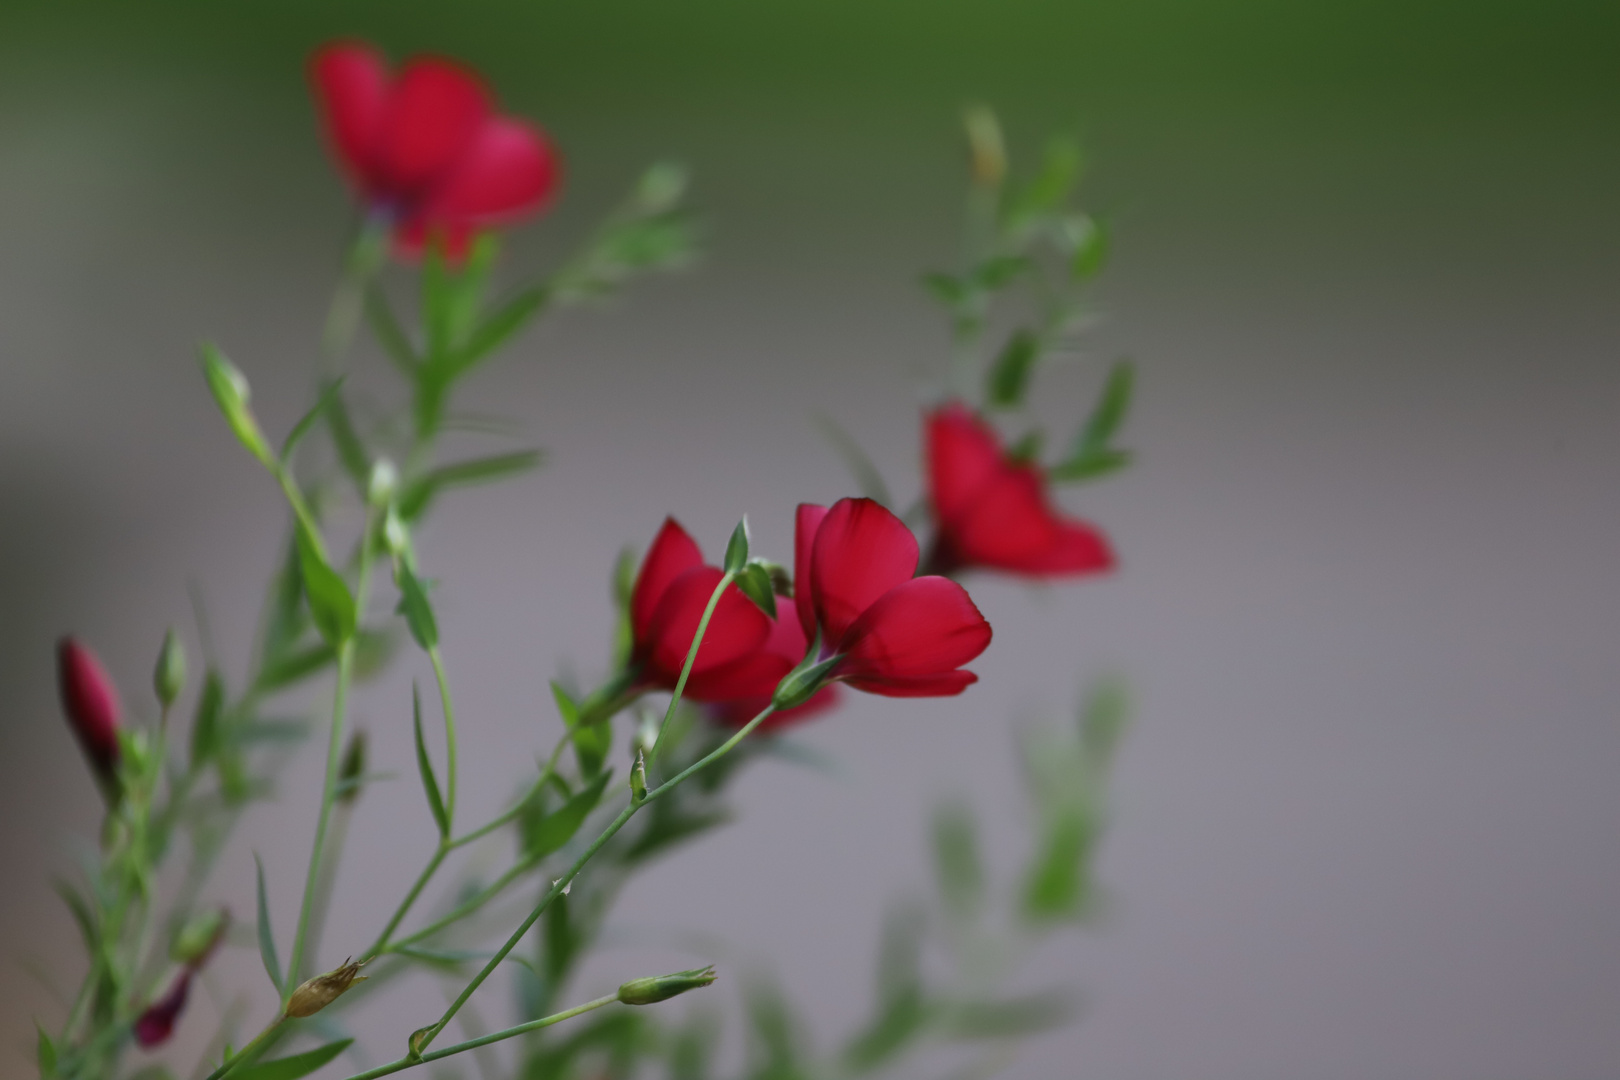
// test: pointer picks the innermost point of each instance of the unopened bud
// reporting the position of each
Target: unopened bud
(664, 987)
(169, 677)
(800, 685)
(384, 482)
(315, 994)
(395, 535)
(154, 1026)
(91, 705)
(987, 154)
(199, 938)
(638, 778)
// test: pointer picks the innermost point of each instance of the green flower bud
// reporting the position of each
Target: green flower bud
(169, 678)
(638, 778)
(384, 482)
(198, 938)
(800, 685)
(664, 987)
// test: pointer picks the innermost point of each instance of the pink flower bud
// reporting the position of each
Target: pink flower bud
(154, 1026)
(91, 704)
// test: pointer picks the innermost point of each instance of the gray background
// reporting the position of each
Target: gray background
(1365, 823)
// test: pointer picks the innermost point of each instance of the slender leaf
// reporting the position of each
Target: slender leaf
(1000, 271)
(948, 289)
(46, 1053)
(267, 939)
(330, 603)
(293, 667)
(1015, 1018)
(425, 489)
(755, 583)
(231, 393)
(1090, 250)
(389, 333)
(1047, 192)
(293, 1067)
(307, 421)
(206, 726)
(554, 830)
(566, 706)
(1093, 467)
(1103, 722)
(82, 916)
(1008, 380)
(956, 859)
(413, 604)
(351, 451)
(737, 548)
(860, 466)
(1110, 410)
(500, 327)
(430, 783)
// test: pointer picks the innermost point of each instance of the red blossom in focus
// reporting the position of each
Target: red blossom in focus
(992, 510)
(154, 1026)
(424, 147)
(782, 651)
(899, 635)
(91, 705)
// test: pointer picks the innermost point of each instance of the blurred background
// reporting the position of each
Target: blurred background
(1366, 823)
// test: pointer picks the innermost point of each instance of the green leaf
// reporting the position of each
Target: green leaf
(1093, 467)
(1057, 885)
(307, 421)
(231, 392)
(567, 707)
(330, 603)
(82, 916)
(390, 334)
(267, 940)
(285, 620)
(860, 466)
(413, 604)
(1015, 1018)
(774, 1034)
(205, 727)
(737, 548)
(1009, 375)
(950, 290)
(430, 783)
(562, 942)
(956, 859)
(1110, 410)
(292, 667)
(46, 1053)
(553, 831)
(293, 1067)
(495, 331)
(1090, 250)
(1000, 271)
(755, 583)
(351, 451)
(1049, 190)
(1103, 721)
(425, 489)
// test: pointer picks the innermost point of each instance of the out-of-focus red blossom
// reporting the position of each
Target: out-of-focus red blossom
(992, 511)
(782, 651)
(899, 635)
(672, 589)
(154, 1026)
(424, 147)
(92, 709)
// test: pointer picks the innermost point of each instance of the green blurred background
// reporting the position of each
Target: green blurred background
(1366, 255)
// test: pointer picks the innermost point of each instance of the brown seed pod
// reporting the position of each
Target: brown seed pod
(317, 993)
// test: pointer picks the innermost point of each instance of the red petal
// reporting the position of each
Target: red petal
(436, 111)
(154, 1026)
(949, 684)
(91, 704)
(736, 629)
(806, 521)
(1007, 525)
(923, 627)
(672, 553)
(350, 80)
(738, 712)
(507, 171)
(754, 676)
(1078, 549)
(861, 552)
(963, 455)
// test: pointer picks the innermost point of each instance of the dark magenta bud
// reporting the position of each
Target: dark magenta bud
(154, 1026)
(91, 705)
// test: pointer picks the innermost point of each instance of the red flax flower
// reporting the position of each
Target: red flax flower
(91, 705)
(992, 510)
(154, 1026)
(424, 148)
(782, 651)
(897, 635)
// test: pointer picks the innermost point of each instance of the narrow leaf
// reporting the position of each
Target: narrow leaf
(553, 831)
(231, 393)
(496, 330)
(737, 548)
(1015, 1018)
(430, 783)
(755, 583)
(1094, 467)
(999, 272)
(307, 421)
(956, 859)
(566, 706)
(46, 1053)
(1090, 251)
(860, 466)
(1109, 412)
(351, 450)
(424, 490)
(948, 289)
(292, 667)
(205, 727)
(267, 940)
(330, 603)
(293, 1067)
(413, 604)
(389, 333)
(1009, 375)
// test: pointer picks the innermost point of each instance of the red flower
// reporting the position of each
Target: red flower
(666, 605)
(154, 1026)
(780, 654)
(899, 635)
(992, 511)
(92, 709)
(425, 147)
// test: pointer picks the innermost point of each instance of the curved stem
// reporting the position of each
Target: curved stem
(691, 658)
(485, 1040)
(449, 732)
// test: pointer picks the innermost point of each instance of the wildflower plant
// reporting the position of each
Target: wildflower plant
(710, 660)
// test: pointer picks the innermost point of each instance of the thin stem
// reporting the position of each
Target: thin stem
(691, 658)
(343, 317)
(540, 781)
(251, 1050)
(485, 1040)
(449, 732)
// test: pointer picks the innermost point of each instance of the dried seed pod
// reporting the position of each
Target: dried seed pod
(317, 993)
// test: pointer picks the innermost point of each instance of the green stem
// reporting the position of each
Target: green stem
(691, 658)
(251, 1051)
(343, 317)
(485, 1040)
(449, 732)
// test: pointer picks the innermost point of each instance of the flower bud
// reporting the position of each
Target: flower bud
(91, 705)
(638, 778)
(383, 483)
(395, 534)
(199, 938)
(800, 685)
(664, 987)
(315, 994)
(169, 678)
(986, 152)
(154, 1026)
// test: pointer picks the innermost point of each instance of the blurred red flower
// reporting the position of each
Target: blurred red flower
(780, 654)
(899, 635)
(992, 511)
(425, 149)
(91, 705)
(154, 1026)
